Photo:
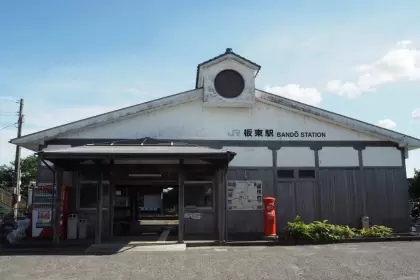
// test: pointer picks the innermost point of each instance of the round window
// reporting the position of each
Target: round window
(229, 83)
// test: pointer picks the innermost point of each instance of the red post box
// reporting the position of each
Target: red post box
(269, 217)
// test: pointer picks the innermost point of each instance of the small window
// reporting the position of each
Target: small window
(285, 174)
(88, 195)
(307, 173)
(198, 196)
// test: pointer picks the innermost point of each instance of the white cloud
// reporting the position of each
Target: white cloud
(309, 96)
(400, 63)
(416, 114)
(348, 89)
(386, 123)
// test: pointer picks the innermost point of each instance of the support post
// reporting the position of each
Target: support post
(181, 194)
(99, 199)
(224, 210)
(318, 192)
(362, 180)
(221, 204)
(275, 187)
(57, 206)
(17, 176)
(111, 199)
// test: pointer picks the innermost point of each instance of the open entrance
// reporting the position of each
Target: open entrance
(150, 212)
(147, 208)
(178, 189)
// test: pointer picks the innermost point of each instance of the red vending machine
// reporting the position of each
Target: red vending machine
(43, 207)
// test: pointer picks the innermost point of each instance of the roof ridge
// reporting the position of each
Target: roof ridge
(227, 52)
(327, 112)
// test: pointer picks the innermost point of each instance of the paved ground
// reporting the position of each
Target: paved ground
(392, 260)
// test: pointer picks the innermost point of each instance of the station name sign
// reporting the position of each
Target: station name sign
(270, 133)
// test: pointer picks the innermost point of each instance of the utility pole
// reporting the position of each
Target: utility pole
(16, 195)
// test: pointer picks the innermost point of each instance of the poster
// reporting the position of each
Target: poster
(244, 195)
(43, 218)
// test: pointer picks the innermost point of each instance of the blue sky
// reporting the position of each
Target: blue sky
(74, 59)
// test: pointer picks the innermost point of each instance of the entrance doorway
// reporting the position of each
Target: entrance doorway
(146, 211)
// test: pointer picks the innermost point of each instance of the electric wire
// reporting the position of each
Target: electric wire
(7, 126)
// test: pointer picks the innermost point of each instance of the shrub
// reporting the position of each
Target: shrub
(318, 231)
(376, 231)
(323, 231)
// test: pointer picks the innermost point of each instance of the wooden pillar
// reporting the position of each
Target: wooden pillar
(57, 209)
(111, 200)
(318, 191)
(181, 192)
(224, 212)
(362, 180)
(99, 202)
(221, 204)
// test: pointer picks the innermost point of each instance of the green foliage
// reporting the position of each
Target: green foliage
(414, 186)
(29, 167)
(376, 231)
(324, 232)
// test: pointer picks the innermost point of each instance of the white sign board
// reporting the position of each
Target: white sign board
(192, 216)
(244, 195)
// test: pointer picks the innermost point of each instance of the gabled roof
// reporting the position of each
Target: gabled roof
(31, 141)
(337, 119)
(227, 53)
(51, 133)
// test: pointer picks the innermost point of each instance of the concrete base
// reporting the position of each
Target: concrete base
(270, 237)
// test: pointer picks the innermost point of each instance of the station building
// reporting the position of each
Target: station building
(207, 156)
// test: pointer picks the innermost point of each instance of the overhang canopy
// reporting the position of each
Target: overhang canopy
(111, 152)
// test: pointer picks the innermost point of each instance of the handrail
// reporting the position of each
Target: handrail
(6, 198)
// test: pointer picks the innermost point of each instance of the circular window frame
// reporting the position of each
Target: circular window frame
(227, 91)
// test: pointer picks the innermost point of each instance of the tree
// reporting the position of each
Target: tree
(414, 186)
(6, 176)
(28, 167)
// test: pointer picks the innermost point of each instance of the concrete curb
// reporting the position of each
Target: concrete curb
(298, 243)
(79, 247)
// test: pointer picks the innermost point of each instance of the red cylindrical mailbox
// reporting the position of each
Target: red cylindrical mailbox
(269, 216)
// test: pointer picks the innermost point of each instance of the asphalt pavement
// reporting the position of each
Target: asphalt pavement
(388, 260)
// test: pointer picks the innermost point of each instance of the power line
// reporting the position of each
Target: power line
(9, 99)
(13, 124)
(8, 114)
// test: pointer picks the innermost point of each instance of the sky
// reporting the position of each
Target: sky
(74, 59)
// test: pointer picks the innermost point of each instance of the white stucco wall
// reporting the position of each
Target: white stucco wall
(193, 121)
(295, 157)
(381, 156)
(338, 157)
(251, 157)
(212, 98)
